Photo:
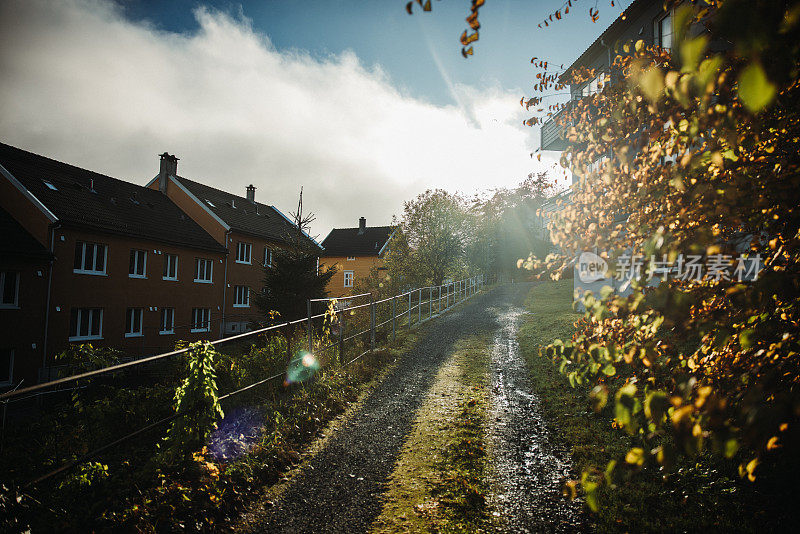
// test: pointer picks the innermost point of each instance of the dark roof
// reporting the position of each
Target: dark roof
(253, 218)
(609, 35)
(348, 242)
(112, 206)
(16, 241)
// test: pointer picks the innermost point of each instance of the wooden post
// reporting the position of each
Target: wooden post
(419, 307)
(409, 309)
(394, 318)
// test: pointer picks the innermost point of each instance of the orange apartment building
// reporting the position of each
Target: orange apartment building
(122, 265)
(250, 231)
(354, 252)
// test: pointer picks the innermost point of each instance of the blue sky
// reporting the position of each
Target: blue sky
(359, 103)
(380, 32)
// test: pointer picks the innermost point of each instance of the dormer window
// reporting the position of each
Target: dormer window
(50, 185)
(210, 203)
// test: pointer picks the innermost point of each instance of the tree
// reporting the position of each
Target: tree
(294, 276)
(428, 245)
(689, 151)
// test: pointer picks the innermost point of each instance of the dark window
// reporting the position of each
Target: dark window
(90, 258)
(86, 323)
(138, 264)
(170, 267)
(9, 286)
(133, 322)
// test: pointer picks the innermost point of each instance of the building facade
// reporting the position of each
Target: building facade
(115, 265)
(249, 231)
(354, 252)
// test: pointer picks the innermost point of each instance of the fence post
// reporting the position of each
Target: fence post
(409, 310)
(341, 335)
(310, 330)
(439, 302)
(419, 307)
(430, 302)
(394, 318)
(372, 323)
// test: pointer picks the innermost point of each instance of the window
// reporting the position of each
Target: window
(664, 31)
(133, 322)
(267, 257)
(9, 286)
(203, 270)
(138, 264)
(351, 258)
(348, 279)
(167, 321)
(6, 367)
(50, 185)
(201, 320)
(90, 258)
(243, 252)
(86, 324)
(170, 267)
(241, 297)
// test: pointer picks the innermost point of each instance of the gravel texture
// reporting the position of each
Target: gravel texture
(339, 489)
(529, 466)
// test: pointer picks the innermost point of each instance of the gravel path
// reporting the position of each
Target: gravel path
(529, 466)
(339, 489)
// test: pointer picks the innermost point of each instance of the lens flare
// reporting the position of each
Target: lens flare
(302, 367)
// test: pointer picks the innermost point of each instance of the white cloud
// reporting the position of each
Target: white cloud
(83, 85)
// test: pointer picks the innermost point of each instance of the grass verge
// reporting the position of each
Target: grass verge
(438, 484)
(700, 495)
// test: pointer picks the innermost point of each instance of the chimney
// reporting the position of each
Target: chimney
(169, 167)
(251, 193)
(362, 225)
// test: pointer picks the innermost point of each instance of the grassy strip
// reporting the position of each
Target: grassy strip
(699, 496)
(439, 483)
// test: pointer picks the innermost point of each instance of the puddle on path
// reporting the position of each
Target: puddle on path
(528, 467)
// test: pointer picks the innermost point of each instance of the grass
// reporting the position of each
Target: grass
(439, 482)
(701, 495)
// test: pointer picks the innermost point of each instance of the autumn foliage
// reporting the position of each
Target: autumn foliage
(692, 151)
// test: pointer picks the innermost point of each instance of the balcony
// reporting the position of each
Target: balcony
(553, 132)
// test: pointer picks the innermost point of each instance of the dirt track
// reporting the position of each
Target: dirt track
(340, 488)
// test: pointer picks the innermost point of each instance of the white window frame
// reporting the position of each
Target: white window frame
(139, 254)
(268, 256)
(10, 370)
(206, 262)
(130, 322)
(351, 258)
(206, 320)
(657, 33)
(83, 269)
(9, 305)
(350, 278)
(237, 302)
(171, 330)
(244, 249)
(167, 264)
(89, 336)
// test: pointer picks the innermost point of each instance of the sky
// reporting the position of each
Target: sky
(358, 103)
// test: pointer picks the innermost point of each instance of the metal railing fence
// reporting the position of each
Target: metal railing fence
(331, 336)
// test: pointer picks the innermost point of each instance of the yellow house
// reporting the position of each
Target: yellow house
(354, 251)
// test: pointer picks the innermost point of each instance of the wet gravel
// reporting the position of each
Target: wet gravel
(529, 466)
(339, 489)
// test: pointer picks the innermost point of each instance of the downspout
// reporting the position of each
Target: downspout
(225, 286)
(52, 229)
